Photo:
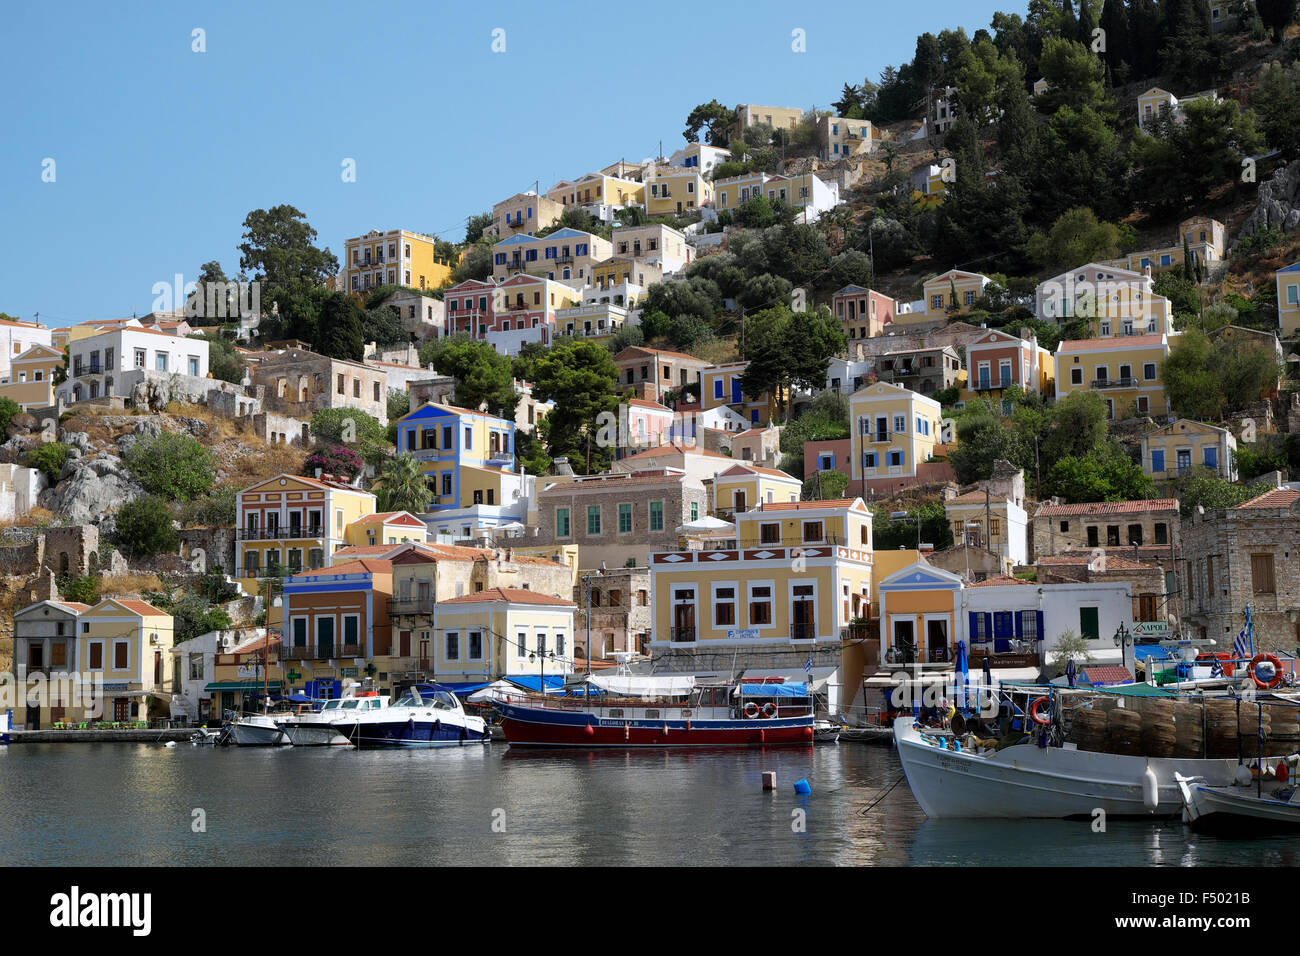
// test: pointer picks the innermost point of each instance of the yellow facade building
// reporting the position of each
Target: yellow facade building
(128, 644)
(919, 605)
(953, 291)
(597, 189)
(1126, 371)
(744, 486)
(1288, 302)
(1181, 448)
(395, 257)
(894, 430)
(30, 382)
(676, 190)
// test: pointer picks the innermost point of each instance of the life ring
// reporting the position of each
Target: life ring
(1034, 715)
(751, 710)
(1271, 659)
(769, 709)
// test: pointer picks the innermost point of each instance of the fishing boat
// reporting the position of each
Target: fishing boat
(6, 723)
(868, 734)
(259, 730)
(664, 711)
(319, 728)
(427, 715)
(1248, 805)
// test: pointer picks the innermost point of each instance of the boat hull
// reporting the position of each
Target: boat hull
(5, 718)
(1237, 809)
(315, 735)
(541, 727)
(258, 735)
(1026, 781)
(413, 734)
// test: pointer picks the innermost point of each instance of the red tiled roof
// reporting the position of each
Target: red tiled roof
(73, 605)
(1273, 498)
(1125, 341)
(1106, 675)
(1110, 507)
(391, 517)
(999, 581)
(359, 566)
(512, 595)
(805, 505)
(672, 448)
(140, 607)
(743, 466)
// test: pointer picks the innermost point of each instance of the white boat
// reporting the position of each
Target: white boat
(259, 730)
(1269, 806)
(427, 715)
(1028, 781)
(319, 729)
(6, 720)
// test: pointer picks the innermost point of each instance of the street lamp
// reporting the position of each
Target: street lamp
(1123, 639)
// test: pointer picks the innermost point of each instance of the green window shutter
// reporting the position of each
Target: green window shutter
(1088, 626)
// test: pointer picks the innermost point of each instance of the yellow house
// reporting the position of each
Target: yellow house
(744, 486)
(777, 117)
(294, 522)
(720, 385)
(128, 644)
(799, 574)
(598, 189)
(928, 185)
(675, 190)
(504, 631)
(634, 274)
(524, 213)
(395, 257)
(894, 431)
(30, 382)
(735, 190)
(1117, 301)
(919, 605)
(467, 455)
(953, 291)
(1177, 449)
(386, 527)
(1288, 301)
(841, 137)
(562, 255)
(1126, 372)
(1204, 238)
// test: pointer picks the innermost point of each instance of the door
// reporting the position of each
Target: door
(1184, 461)
(157, 669)
(936, 640)
(684, 622)
(905, 640)
(33, 717)
(325, 637)
(121, 708)
(295, 524)
(803, 615)
(404, 644)
(740, 501)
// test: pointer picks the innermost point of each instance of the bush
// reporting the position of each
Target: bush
(84, 589)
(173, 466)
(213, 510)
(144, 527)
(49, 458)
(336, 460)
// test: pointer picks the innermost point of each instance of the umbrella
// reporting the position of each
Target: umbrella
(706, 525)
(962, 667)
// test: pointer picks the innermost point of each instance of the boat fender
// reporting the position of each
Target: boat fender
(1035, 707)
(665, 730)
(589, 730)
(762, 736)
(1281, 772)
(1243, 776)
(810, 733)
(688, 725)
(627, 731)
(1150, 790)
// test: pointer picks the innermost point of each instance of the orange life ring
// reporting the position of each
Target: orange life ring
(769, 709)
(1260, 658)
(751, 710)
(1034, 715)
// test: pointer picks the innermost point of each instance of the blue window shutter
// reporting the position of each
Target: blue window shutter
(1020, 624)
(988, 626)
(1040, 624)
(974, 626)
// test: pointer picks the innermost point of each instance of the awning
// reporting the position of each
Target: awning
(774, 690)
(818, 676)
(464, 687)
(534, 681)
(645, 685)
(1134, 690)
(244, 686)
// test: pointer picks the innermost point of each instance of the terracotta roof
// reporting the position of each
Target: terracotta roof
(672, 448)
(770, 472)
(512, 595)
(1273, 498)
(1106, 675)
(971, 496)
(1110, 507)
(1116, 341)
(804, 505)
(642, 403)
(360, 566)
(141, 607)
(1114, 561)
(999, 581)
(402, 517)
(72, 605)
(662, 352)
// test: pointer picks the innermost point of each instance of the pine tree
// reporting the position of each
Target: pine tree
(1115, 28)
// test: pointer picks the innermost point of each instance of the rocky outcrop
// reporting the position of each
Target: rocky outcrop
(92, 489)
(1279, 203)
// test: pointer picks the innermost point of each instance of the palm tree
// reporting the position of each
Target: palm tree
(402, 486)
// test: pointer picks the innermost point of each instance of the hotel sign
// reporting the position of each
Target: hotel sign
(744, 634)
(1151, 628)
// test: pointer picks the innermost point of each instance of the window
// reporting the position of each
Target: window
(1161, 533)
(812, 532)
(475, 646)
(624, 518)
(593, 519)
(521, 644)
(656, 516)
(1076, 376)
(695, 511)
(1157, 461)
(1149, 371)
(561, 522)
(1089, 626)
(760, 605)
(121, 652)
(769, 533)
(1261, 574)
(453, 646)
(724, 607)
(1029, 625)
(96, 656)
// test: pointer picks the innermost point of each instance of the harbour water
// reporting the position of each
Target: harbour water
(134, 805)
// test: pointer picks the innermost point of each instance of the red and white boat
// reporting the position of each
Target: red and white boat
(663, 711)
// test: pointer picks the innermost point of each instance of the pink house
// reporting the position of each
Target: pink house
(862, 312)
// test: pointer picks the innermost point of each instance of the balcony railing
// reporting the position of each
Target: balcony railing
(803, 632)
(319, 653)
(1125, 382)
(279, 534)
(413, 606)
(562, 260)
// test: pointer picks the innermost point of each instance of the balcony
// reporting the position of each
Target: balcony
(803, 631)
(292, 533)
(1125, 382)
(562, 260)
(412, 606)
(682, 635)
(877, 438)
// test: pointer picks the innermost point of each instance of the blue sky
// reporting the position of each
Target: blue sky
(159, 152)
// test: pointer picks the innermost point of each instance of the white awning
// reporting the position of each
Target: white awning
(818, 677)
(706, 525)
(645, 685)
(497, 690)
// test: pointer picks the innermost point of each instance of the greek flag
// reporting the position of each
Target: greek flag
(1243, 646)
(807, 665)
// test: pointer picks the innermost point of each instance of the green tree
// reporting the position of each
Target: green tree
(825, 486)
(353, 428)
(279, 248)
(49, 458)
(1076, 79)
(713, 117)
(144, 527)
(83, 589)
(580, 377)
(1214, 494)
(982, 439)
(1076, 238)
(402, 485)
(8, 409)
(530, 454)
(483, 376)
(1277, 101)
(787, 350)
(890, 534)
(1076, 427)
(1277, 15)
(174, 466)
(341, 332)
(224, 360)
(1106, 474)
(475, 225)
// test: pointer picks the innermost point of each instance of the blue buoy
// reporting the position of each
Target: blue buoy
(802, 786)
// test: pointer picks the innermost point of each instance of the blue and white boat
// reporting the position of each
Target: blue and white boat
(318, 729)
(6, 722)
(427, 715)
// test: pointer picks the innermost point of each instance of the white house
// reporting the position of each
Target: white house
(16, 338)
(112, 362)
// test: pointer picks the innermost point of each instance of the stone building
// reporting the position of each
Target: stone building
(1147, 582)
(298, 383)
(1151, 526)
(619, 517)
(1243, 556)
(621, 617)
